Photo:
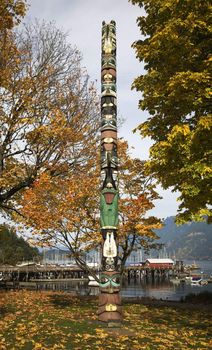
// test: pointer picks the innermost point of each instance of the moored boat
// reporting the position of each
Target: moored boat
(196, 280)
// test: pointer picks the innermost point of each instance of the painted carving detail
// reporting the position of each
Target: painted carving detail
(109, 300)
(110, 248)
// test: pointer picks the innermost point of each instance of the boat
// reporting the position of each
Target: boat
(193, 266)
(204, 282)
(196, 281)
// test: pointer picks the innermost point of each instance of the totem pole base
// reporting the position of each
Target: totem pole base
(110, 309)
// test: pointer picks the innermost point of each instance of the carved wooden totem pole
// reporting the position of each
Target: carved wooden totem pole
(109, 299)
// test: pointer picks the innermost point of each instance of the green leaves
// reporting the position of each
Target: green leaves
(176, 93)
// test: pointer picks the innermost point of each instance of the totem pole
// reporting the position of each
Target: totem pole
(110, 310)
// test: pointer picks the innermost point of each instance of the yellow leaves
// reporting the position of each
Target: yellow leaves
(38, 346)
(179, 130)
(88, 336)
(20, 7)
(192, 88)
(205, 122)
(68, 206)
(175, 90)
(10, 13)
(55, 130)
(143, 128)
(62, 203)
(101, 333)
(42, 324)
(46, 118)
(13, 173)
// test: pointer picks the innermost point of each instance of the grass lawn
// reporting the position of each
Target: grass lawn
(50, 320)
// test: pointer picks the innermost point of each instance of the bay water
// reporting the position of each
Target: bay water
(164, 289)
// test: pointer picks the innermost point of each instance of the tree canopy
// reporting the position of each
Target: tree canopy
(175, 88)
(11, 14)
(49, 163)
(48, 111)
(65, 212)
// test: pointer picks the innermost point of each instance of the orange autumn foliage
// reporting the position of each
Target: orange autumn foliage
(65, 211)
(48, 112)
(11, 13)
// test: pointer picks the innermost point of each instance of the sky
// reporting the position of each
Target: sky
(82, 19)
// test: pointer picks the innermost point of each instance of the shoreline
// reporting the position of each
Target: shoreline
(197, 305)
(147, 301)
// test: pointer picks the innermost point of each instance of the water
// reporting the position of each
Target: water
(158, 289)
(165, 290)
(205, 266)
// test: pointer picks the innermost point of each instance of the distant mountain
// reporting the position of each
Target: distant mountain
(188, 241)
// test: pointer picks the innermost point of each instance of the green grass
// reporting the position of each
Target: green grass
(48, 320)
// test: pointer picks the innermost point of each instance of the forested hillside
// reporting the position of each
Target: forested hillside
(188, 241)
(14, 249)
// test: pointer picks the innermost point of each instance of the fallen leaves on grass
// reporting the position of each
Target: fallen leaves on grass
(57, 321)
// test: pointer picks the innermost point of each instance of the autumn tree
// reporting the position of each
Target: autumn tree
(11, 13)
(175, 88)
(137, 195)
(48, 112)
(65, 212)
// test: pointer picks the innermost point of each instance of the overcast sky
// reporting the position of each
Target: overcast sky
(83, 20)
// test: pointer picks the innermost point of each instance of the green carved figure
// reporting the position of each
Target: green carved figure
(109, 209)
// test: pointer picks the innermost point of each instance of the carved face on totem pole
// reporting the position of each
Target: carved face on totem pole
(110, 282)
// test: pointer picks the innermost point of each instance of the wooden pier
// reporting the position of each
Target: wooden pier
(154, 268)
(36, 272)
(46, 273)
